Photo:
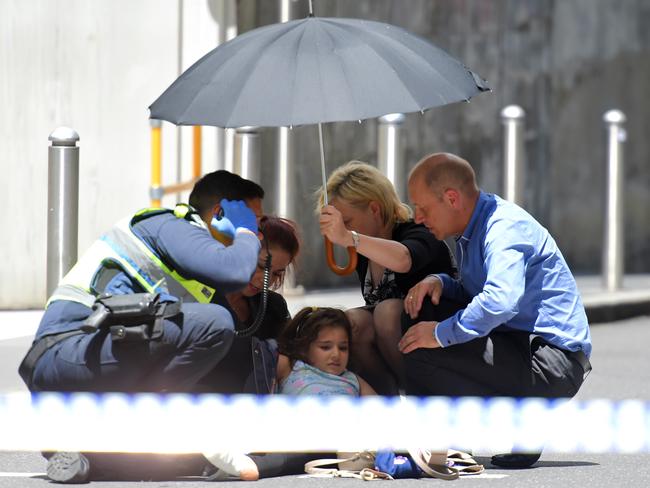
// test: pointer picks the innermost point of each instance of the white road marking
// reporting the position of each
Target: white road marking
(9, 474)
(495, 476)
(18, 323)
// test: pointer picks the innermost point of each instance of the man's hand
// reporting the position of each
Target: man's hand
(431, 286)
(419, 335)
(332, 226)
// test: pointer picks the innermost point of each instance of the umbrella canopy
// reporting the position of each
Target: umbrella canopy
(315, 70)
(312, 71)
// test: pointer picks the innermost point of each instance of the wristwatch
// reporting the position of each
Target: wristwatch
(355, 239)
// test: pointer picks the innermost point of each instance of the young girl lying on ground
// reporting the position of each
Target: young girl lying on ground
(314, 353)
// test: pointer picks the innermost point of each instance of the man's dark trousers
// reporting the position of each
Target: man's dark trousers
(507, 362)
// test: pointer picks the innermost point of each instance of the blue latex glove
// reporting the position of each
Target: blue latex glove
(239, 215)
(223, 226)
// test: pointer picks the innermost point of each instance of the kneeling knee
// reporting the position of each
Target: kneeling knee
(213, 322)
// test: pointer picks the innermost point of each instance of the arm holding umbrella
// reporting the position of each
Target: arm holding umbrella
(388, 253)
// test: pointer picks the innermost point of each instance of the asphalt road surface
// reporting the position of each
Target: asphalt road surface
(621, 371)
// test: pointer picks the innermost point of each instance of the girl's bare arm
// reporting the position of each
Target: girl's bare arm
(284, 367)
(364, 387)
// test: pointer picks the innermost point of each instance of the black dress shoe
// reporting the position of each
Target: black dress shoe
(68, 467)
(516, 460)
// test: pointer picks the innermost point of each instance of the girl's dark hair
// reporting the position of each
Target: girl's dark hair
(303, 329)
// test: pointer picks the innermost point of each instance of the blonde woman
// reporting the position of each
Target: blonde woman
(364, 211)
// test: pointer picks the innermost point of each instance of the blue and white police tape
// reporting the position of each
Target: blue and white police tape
(178, 423)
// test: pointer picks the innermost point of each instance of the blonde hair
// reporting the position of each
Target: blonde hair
(358, 184)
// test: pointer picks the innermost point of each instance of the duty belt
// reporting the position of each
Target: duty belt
(131, 317)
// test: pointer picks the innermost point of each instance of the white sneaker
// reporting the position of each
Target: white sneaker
(234, 463)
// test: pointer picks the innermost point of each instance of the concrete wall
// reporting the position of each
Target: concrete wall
(566, 63)
(96, 65)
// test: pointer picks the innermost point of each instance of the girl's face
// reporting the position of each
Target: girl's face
(279, 262)
(330, 351)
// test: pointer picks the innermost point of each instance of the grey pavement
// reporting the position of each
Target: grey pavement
(621, 371)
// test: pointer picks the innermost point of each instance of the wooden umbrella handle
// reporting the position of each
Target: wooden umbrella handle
(331, 262)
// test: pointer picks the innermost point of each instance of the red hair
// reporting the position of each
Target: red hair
(282, 233)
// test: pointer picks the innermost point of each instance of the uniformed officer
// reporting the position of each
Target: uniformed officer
(173, 262)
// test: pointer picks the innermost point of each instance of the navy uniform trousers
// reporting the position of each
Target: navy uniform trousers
(191, 345)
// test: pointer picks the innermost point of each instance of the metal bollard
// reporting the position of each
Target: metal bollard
(247, 153)
(285, 183)
(62, 204)
(224, 14)
(613, 245)
(285, 174)
(512, 118)
(390, 150)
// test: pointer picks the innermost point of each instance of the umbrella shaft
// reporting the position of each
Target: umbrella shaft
(322, 163)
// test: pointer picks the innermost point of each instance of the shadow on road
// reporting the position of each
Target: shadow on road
(485, 461)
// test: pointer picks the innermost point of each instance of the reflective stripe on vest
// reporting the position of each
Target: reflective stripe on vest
(122, 248)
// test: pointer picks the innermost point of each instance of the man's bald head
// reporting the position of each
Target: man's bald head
(443, 171)
(443, 190)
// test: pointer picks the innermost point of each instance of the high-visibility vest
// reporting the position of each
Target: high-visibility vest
(121, 250)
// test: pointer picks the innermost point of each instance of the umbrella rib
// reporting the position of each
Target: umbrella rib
(350, 90)
(437, 71)
(256, 63)
(440, 75)
(295, 71)
(261, 56)
(353, 31)
(190, 105)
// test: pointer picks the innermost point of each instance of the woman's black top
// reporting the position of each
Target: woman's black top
(230, 375)
(428, 256)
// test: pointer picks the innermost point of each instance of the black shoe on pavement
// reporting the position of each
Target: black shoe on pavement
(516, 460)
(68, 467)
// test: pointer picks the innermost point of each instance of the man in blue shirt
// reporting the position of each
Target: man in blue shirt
(520, 328)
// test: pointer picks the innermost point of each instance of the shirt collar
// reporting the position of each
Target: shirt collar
(481, 203)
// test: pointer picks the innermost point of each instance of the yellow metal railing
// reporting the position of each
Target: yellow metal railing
(157, 190)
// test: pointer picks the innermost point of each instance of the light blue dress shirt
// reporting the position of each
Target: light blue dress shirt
(513, 274)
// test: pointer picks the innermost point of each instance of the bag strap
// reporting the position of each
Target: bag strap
(315, 467)
(434, 464)
(464, 462)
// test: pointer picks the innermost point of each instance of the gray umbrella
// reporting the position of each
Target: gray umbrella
(315, 70)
